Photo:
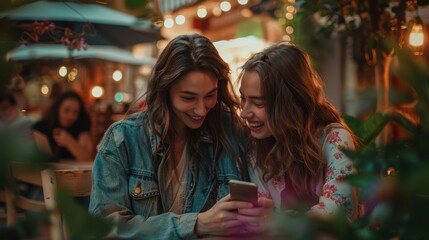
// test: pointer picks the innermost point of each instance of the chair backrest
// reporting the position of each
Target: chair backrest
(21, 172)
(74, 178)
(77, 182)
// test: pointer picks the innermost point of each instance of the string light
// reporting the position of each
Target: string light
(180, 19)
(202, 12)
(117, 75)
(44, 89)
(97, 91)
(225, 6)
(168, 22)
(62, 71)
(285, 16)
(216, 11)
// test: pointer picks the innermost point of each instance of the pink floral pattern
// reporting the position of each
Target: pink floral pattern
(278, 183)
(333, 137)
(335, 192)
(338, 155)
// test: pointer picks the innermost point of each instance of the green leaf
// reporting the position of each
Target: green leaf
(417, 183)
(80, 223)
(362, 180)
(367, 130)
(402, 121)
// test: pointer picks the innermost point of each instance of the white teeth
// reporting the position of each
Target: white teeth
(196, 117)
(255, 125)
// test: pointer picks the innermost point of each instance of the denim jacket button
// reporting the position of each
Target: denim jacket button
(138, 188)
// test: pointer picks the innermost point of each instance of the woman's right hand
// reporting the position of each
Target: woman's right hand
(221, 219)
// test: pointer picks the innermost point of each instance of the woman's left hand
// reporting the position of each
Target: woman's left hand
(257, 219)
(62, 137)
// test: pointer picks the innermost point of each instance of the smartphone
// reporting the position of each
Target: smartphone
(243, 191)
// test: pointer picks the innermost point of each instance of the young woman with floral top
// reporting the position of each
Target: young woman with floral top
(297, 135)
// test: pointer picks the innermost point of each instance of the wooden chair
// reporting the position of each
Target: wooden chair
(72, 177)
(27, 174)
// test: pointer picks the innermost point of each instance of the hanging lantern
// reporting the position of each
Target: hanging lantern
(416, 37)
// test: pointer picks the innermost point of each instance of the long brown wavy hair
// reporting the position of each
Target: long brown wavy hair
(297, 114)
(184, 54)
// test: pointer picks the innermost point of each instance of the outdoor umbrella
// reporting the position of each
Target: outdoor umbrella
(57, 51)
(108, 26)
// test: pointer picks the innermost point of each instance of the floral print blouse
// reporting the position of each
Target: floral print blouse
(334, 194)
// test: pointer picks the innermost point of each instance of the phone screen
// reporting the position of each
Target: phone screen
(243, 191)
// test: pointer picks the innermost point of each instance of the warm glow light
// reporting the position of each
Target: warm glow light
(287, 38)
(416, 38)
(245, 12)
(97, 91)
(161, 44)
(202, 12)
(289, 29)
(44, 89)
(180, 19)
(145, 70)
(216, 11)
(225, 6)
(117, 75)
(168, 23)
(62, 71)
(289, 16)
(242, 2)
(72, 74)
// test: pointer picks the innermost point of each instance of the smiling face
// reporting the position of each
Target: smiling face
(253, 105)
(192, 98)
(68, 112)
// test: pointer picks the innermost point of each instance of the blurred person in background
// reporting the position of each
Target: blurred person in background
(56, 90)
(11, 115)
(65, 132)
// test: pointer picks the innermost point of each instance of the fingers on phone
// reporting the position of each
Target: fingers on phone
(234, 205)
(265, 202)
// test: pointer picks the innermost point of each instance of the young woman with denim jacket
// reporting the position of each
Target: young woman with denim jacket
(164, 171)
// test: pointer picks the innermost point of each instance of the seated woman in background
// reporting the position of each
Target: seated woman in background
(65, 133)
(297, 135)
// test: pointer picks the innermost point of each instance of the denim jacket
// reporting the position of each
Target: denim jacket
(126, 180)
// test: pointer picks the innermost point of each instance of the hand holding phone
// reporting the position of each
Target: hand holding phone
(244, 191)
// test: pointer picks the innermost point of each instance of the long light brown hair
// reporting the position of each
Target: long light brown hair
(184, 54)
(297, 114)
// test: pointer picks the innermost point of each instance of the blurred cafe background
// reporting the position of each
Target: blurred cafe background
(105, 49)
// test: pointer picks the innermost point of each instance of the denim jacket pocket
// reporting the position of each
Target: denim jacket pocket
(144, 192)
(223, 188)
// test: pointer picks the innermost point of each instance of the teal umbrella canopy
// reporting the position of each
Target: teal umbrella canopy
(57, 51)
(102, 25)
